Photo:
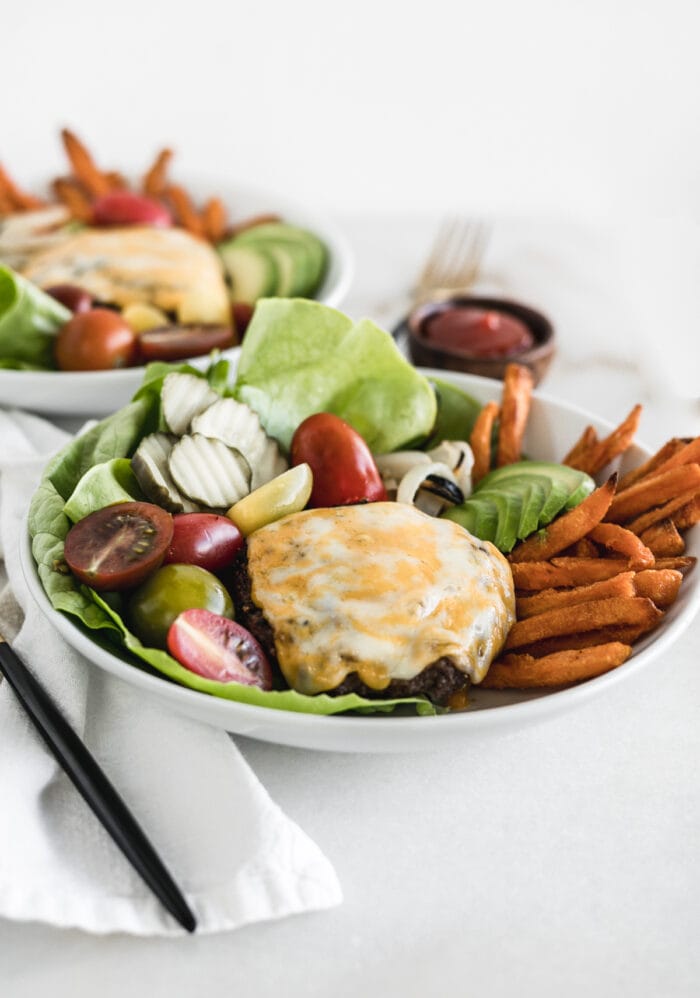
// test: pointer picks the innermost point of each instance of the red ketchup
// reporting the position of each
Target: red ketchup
(478, 332)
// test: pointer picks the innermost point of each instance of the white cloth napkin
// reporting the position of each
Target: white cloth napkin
(236, 856)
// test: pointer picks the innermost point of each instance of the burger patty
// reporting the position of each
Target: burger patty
(438, 681)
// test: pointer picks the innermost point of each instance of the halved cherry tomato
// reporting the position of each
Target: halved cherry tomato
(205, 539)
(117, 547)
(73, 297)
(181, 342)
(98, 340)
(125, 208)
(170, 591)
(343, 468)
(218, 648)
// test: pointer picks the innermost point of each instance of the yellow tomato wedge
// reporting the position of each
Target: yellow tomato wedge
(288, 493)
(142, 317)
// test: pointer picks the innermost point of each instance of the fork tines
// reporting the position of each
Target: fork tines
(454, 259)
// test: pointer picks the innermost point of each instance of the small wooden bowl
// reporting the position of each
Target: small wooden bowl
(426, 354)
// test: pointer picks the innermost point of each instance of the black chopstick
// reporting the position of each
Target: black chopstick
(92, 784)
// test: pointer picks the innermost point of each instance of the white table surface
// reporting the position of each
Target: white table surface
(561, 859)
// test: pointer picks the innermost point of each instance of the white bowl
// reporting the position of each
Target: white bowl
(552, 428)
(97, 393)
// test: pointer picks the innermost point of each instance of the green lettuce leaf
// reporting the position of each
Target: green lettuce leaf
(456, 414)
(104, 484)
(300, 357)
(29, 320)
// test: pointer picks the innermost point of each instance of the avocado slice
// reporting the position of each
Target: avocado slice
(292, 239)
(252, 271)
(513, 502)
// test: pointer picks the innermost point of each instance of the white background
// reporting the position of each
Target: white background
(562, 107)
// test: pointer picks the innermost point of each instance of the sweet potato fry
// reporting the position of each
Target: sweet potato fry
(6, 204)
(252, 222)
(480, 440)
(683, 565)
(623, 542)
(583, 448)
(536, 575)
(117, 181)
(597, 457)
(93, 180)
(593, 616)
(569, 528)
(72, 195)
(154, 182)
(185, 211)
(688, 454)
(688, 515)
(214, 219)
(670, 448)
(625, 633)
(552, 599)
(585, 548)
(525, 672)
(653, 516)
(15, 197)
(515, 408)
(663, 539)
(651, 492)
(660, 586)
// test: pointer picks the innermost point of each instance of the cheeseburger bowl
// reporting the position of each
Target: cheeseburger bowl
(552, 428)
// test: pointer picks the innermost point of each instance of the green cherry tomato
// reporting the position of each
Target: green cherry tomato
(168, 592)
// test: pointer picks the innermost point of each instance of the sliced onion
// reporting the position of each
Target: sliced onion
(457, 455)
(410, 487)
(393, 467)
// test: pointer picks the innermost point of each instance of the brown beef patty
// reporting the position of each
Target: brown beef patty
(438, 681)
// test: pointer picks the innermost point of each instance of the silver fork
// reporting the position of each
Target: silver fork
(454, 259)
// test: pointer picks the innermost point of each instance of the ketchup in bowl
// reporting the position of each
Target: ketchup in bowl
(478, 335)
(478, 332)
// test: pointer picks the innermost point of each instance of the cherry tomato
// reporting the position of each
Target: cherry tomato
(204, 539)
(125, 208)
(241, 313)
(73, 297)
(98, 340)
(119, 546)
(181, 342)
(167, 593)
(343, 468)
(218, 648)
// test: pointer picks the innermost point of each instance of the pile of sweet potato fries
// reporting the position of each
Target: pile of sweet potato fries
(86, 182)
(602, 575)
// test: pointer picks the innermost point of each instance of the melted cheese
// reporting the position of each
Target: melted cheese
(379, 589)
(167, 268)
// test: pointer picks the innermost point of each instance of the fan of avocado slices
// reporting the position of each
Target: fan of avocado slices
(273, 260)
(512, 502)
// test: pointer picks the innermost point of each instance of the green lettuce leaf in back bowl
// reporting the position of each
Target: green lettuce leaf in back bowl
(29, 321)
(300, 357)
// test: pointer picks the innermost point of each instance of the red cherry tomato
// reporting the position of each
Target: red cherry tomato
(73, 297)
(241, 313)
(342, 464)
(98, 340)
(119, 546)
(125, 208)
(181, 342)
(218, 648)
(205, 539)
